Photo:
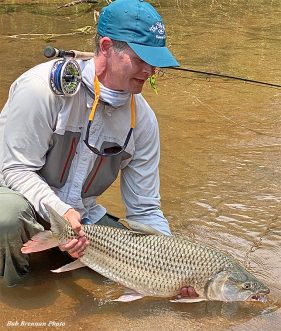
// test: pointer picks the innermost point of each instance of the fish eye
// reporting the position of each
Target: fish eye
(247, 286)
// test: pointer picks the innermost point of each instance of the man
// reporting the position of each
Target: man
(64, 151)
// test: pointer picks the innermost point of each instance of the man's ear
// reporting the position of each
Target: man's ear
(106, 46)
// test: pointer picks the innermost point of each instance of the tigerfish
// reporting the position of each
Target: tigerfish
(150, 264)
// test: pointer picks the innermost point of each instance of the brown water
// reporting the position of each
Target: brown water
(220, 162)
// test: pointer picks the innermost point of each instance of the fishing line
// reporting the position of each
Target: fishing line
(258, 243)
(161, 73)
(232, 121)
(247, 80)
(169, 75)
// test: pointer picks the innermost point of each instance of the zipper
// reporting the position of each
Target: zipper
(94, 174)
(72, 149)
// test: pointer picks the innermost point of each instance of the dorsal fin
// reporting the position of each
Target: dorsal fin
(142, 228)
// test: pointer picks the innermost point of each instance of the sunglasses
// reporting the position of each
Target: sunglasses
(114, 150)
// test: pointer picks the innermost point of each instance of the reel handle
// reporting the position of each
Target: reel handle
(50, 52)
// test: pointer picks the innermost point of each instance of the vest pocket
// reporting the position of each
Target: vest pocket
(58, 159)
(104, 173)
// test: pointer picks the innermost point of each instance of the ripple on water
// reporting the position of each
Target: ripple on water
(238, 206)
(268, 197)
(206, 206)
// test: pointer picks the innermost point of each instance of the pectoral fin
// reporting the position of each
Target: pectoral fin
(70, 266)
(129, 295)
(188, 300)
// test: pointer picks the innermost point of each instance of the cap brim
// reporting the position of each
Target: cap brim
(155, 56)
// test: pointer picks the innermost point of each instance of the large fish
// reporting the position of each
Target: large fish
(153, 264)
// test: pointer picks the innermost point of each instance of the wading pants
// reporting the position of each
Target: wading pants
(18, 223)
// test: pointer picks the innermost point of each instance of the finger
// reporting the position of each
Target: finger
(69, 245)
(81, 233)
(188, 291)
(81, 251)
(83, 240)
(77, 228)
(75, 249)
(184, 292)
(191, 292)
(80, 246)
(74, 255)
(78, 254)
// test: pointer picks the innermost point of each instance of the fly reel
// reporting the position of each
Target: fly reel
(65, 77)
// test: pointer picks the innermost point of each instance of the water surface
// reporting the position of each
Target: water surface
(220, 162)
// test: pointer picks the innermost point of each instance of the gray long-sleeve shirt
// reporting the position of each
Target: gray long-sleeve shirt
(43, 156)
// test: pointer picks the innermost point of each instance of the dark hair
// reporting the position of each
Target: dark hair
(118, 46)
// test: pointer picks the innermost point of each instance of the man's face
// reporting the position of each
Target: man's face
(128, 72)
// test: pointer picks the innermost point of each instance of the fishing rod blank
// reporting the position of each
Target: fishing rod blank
(226, 76)
(50, 52)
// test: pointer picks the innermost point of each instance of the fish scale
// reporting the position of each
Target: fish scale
(154, 265)
(150, 264)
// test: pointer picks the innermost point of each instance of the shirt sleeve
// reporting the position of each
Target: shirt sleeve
(140, 180)
(31, 113)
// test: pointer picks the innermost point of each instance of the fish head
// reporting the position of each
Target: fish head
(236, 284)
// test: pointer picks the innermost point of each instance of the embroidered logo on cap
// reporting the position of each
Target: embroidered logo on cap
(159, 30)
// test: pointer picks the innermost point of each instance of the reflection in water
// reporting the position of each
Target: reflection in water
(83, 298)
(220, 162)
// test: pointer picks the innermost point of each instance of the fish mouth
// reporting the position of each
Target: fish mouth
(258, 297)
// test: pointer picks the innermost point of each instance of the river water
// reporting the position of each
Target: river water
(220, 162)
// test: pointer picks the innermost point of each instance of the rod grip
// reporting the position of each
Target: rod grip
(82, 55)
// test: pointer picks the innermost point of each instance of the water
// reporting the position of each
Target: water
(220, 162)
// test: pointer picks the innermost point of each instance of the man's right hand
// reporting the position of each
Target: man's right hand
(75, 247)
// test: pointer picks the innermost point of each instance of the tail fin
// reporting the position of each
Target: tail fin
(58, 223)
(40, 242)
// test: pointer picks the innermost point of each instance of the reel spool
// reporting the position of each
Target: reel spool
(65, 77)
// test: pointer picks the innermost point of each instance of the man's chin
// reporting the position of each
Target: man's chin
(137, 89)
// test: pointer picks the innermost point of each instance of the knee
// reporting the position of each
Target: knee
(12, 208)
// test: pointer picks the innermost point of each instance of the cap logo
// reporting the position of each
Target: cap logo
(159, 30)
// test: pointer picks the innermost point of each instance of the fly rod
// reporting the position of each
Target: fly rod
(50, 52)
(226, 76)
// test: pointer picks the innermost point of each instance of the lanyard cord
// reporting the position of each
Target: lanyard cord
(96, 100)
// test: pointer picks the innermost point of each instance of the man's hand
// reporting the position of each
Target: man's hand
(75, 247)
(188, 292)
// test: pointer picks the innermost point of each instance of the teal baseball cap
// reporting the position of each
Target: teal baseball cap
(137, 23)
